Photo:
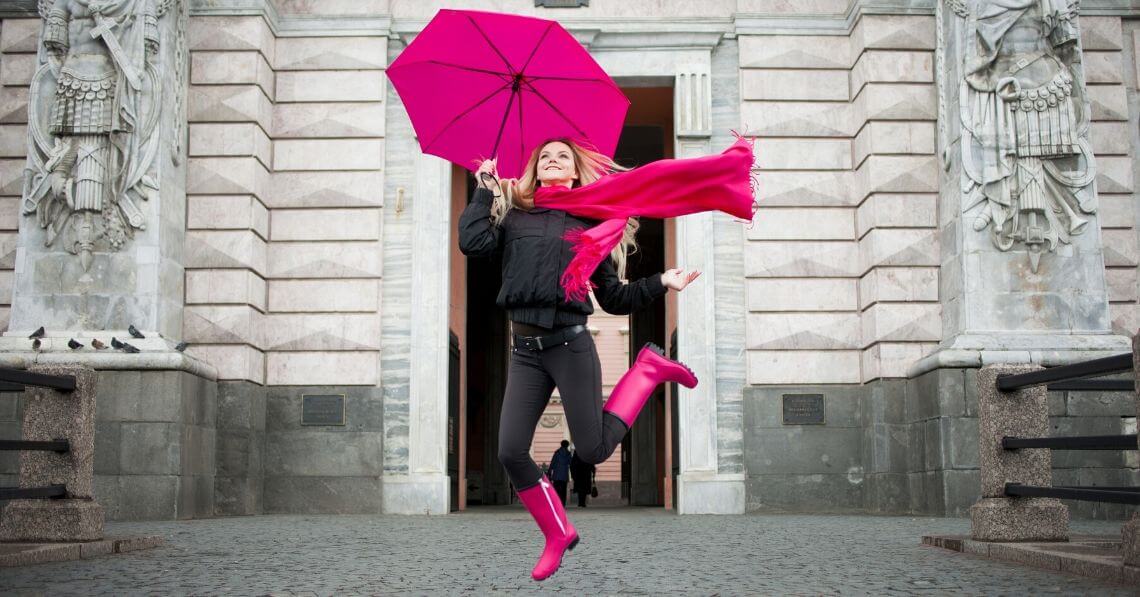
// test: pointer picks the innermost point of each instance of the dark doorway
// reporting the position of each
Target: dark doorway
(483, 343)
(486, 376)
(647, 137)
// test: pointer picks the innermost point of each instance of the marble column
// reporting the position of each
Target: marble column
(1023, 277)
(701, 488)
(424, 488)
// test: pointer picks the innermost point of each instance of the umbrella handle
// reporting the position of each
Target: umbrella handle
(495, 189)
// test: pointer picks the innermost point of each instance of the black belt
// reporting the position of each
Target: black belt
(562, 336)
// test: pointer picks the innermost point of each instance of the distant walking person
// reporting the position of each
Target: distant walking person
(560, 470)
(582, 473)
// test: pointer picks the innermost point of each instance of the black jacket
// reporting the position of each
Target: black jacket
(534, 256)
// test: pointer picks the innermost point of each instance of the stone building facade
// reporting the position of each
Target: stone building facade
(298, 241)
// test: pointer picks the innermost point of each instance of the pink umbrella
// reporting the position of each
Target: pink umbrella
(478, 85)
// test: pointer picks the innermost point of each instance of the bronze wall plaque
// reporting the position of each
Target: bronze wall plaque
(322, 409)
(803, 409)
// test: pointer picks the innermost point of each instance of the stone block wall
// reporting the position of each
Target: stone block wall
(818, 468)
(862, 459)
(11, 417)
(841, 266)
(1094, 413)
(1116, 44)
(18, 39)
(941, 423)
(240, 449)
(284, 256)
(155, 443)
(287, 149)
(329, 470)
(911, 446)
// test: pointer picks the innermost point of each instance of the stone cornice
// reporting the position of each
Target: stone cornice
(655, 40)
(622, 32)
(601, 33)
(1110, 8)
(292, 25)
(843, 23)
(827, 24)
(287, 25)
(18, 8)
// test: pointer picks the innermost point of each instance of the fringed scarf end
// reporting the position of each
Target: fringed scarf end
(753, 175)
(749, 139)
(590, 247)
(574, 288)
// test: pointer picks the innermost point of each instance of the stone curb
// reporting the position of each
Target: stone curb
(1092, 557)
(25, 554)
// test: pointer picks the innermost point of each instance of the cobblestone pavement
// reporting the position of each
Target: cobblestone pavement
(491, 550)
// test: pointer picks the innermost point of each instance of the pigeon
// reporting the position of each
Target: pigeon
(134, 332)
(181, 346)
(73, 344)
(127, 347)
(115, 343)
(97, 345)
(38, 333)
(36, 344)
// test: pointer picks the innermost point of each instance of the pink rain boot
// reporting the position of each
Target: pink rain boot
(543, 504)
(634, 388)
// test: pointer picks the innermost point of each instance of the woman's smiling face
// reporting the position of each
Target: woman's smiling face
(556, 165)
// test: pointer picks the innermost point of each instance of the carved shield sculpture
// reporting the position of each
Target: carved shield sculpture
(93, 114)
(1027, 162)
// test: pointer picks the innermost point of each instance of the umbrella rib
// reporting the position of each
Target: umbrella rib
(557, 111)
(502, 75)
(503, 124)
(489, 43)
(462, 114)
(552, 78)
(536, 45)
(522, 148)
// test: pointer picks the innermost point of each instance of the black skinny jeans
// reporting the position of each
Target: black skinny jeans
(575, 370)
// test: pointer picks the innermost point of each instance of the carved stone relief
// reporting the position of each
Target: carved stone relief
(93, 111)
(1024, 113)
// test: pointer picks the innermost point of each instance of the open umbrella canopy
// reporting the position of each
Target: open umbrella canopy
(480, 85)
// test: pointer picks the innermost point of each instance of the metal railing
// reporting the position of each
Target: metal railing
(1114, 495)
(1075, 377)
(15, 380)
(1076, 442)
(28, 493)
(1068, 373)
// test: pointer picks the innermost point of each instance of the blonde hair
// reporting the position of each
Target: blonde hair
(590, 166)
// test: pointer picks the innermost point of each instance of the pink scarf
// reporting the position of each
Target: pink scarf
(661, 189)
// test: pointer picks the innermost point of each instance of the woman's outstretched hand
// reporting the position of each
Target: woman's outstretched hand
(677, 278)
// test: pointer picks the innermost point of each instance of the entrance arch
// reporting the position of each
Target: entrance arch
(683, 60)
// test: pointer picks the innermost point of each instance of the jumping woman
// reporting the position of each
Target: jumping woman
(551, 346)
